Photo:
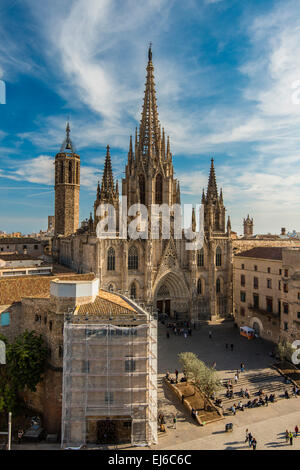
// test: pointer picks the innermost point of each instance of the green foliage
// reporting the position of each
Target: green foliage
(205, 378)
(284, 350)
(26, 360)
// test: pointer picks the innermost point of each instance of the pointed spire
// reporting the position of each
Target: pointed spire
(228, 224)
(221, 196)
(130, 152)
(203, 197)
(193, 220)
(212, 190)
(98, 191)
(117, 188)
(67, 143)
(107, 186)
(178, 193)
(149, 126)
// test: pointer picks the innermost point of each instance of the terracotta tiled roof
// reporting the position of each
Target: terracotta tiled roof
(263, 252)
(13, 289)
(106, 303)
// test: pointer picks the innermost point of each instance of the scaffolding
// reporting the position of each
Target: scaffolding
(109, 374)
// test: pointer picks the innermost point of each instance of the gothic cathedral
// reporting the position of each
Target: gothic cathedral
(159, 273)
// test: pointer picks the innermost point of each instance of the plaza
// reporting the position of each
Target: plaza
(267, 424)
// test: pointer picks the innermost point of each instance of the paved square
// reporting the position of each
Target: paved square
(267, 424)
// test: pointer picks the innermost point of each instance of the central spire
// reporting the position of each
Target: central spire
(107, 186)
(149, 142)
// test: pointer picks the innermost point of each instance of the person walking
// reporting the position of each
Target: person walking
(210, 334)
(236, 378)
(286, 436)
(254, 443)
(291, 436)
(247, 435)
(176, 375)
(174, 422)
(296, 431)
(250, 438)
(242, 367)
(20, 435)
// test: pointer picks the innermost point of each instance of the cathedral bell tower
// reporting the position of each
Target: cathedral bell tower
(67, 186)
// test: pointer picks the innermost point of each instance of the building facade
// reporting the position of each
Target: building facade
(162, 273)
(267, 291)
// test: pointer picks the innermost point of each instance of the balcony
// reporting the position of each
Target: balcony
(263, 311)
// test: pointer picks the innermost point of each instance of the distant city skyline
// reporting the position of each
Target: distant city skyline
(227, 79)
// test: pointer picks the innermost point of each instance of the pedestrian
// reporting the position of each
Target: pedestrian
(247, 435)
(210, 334)
(286, 436)
(291, 435)
(174, 422)
(20, 435)
(233, 409)
(236, 378)
(250, 438)
(296, 431)
(231, 347)
(242, 367)
(176, 375)
(168, 335)
(254, 443)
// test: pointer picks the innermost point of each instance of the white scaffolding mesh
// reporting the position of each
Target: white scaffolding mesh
(109, 373)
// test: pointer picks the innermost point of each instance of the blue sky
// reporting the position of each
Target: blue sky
(228, 86)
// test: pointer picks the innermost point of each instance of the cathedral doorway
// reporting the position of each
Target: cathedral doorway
(171, 296)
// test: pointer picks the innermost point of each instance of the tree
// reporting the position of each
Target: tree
(284, 350)
(26, 360)
(204, 378)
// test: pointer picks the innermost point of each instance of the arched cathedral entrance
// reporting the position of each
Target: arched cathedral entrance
(171, 296)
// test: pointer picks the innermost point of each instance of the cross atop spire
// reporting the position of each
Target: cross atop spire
(212, 190)
(67, 143)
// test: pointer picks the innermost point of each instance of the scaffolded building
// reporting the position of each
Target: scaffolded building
(109, 379)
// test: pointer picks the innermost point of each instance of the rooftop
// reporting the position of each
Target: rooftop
(19, 240)
(263, 252)
(13, 289)
(106, 303)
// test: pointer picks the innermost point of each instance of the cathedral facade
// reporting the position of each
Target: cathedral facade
(159, 273)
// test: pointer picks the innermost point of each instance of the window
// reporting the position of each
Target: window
(109, 398)
(243, 296)
(285, 326)
(85, 367)
(142, 189)
(279, 307)
(36, 247)
(285, 307)
(158, 189)
(243, 280)
(255, 268)
(5, 319)
(269, 301)
(280, 271)
(200, 258)
(243, 266)
(269, 270)
(24, 247)
(218, 286)
(50, 325)
(130, 365)
(285, 287)
(133, 259)
(61, 175)
(279, 285)
(70, 172)
(269, 283)
(255, 300)
(255, 282)
(199, 287)
(298, 295)
(298, 315)
(111, 259)
(218, 256)
(133, 291)
(286, 273)
(242, 312)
